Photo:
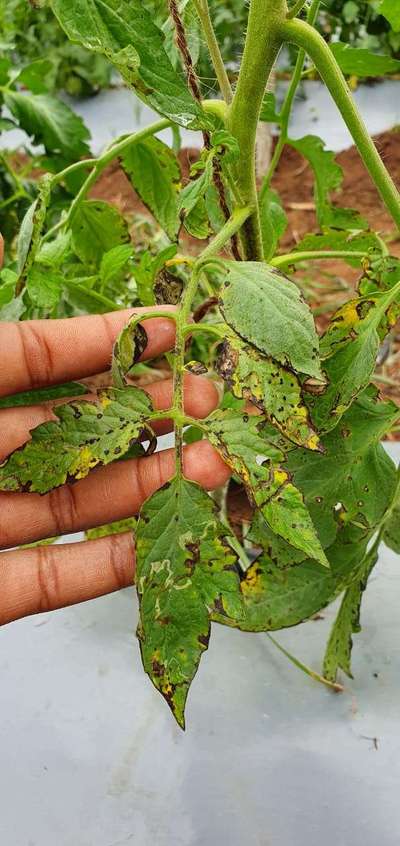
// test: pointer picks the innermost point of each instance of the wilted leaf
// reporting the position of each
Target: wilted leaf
(154, 171)
(50, 122)
(347, 623)
(186, 570)
(350, 348)
(86, 434)
(352, 482)
(244, 445)
(167, 288)
(272, 388)
(266, 309)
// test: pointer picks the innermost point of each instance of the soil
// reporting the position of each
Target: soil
(327, 284)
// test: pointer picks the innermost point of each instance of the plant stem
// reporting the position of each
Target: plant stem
(235, 222)
(98, 165)
(213, 48)
(288, 104)
(316, 255)
(294, 10)
(303, 35)
(262, 46)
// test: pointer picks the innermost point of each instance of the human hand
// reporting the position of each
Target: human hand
(37, 353)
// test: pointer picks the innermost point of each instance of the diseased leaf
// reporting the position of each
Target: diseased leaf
(50, 122)
(87, 434)
(168, 288)
(124, 32)
(192, 203)
(349, 349)
(266, 309)
(244, 445)
(274, 599)
(97, 227)
(347, 623)
(328, 177)
(272, 388)
(118, 528)
(154, 171)
(186, 570)
(353, 481)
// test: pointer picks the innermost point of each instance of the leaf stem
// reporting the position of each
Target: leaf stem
(338, 688)
(316, 255)
(203, 12)
(231, 227)
(304, 36)
(98, 165)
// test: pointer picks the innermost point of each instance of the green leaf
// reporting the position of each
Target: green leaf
(352, 482)
(36, 397)
(350, 347)
(53, 253)
(44, 286)
(192, 205)
(96, 228)
(358, 61)
(241, 441)
(145, 272)
(269, 386)
(328, 177)
(347, 623)
(267, 309)
(35, 76)
(124, 32)
(50, 122)
(185, 571)
(271, 210)
(113, 263)
(269, 112)
(87, 434)
(155, 174)
(391, 10)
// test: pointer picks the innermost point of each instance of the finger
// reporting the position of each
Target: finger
(34, 353)
(37, 580)
(201, 397)
(108, 494)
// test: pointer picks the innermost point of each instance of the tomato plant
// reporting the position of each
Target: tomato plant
(300, 423)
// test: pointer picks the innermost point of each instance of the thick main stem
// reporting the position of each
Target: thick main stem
(304, 36)
(262, 46)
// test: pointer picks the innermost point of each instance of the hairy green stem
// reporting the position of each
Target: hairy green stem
(286, 109)
(316, 255)
(303, 35)
(213, 49)
(262, 46)
(294, 10)
(235, 222)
